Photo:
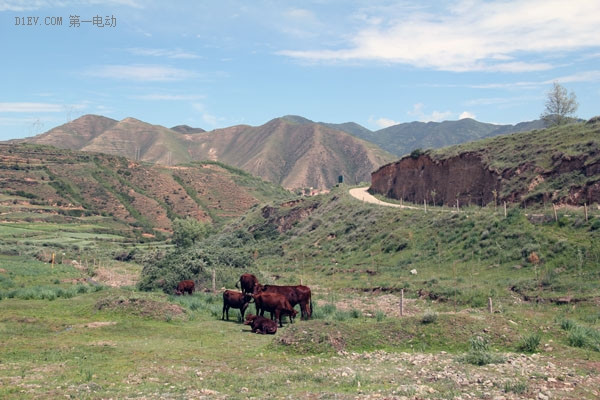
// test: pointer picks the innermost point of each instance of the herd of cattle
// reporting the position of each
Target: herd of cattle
(278, 300)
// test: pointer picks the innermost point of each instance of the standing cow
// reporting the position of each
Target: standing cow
(276, 304)
(233, 299)
(298, 294)
(247, 283)
(184, 287)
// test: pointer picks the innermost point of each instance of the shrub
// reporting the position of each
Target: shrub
(479, 353)
(577, 336)
(429, 317)
(515, 387)
(567, 324)
(530, 343)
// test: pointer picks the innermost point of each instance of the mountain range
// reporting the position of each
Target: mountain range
(284, 151)
(291, 151)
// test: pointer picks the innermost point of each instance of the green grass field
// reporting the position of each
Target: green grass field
(66, 331)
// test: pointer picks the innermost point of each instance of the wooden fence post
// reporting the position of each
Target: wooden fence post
(585, 210)
(555, 215)
(401, 302)
(214, 281)
(504, 209)
(490, 309)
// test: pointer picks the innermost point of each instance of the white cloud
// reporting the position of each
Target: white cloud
(207, 117)
(478, 35)
(466, 114)
(383, 122)
(168, 97)
(141, 72)
(435, 116)
(166, 53)
(584, 76)
(30, 107)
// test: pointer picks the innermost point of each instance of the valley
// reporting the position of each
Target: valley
(88, 262)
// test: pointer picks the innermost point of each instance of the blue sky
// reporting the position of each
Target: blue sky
(213, 64)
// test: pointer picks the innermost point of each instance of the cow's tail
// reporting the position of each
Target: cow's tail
(237, 284)
(311, 308)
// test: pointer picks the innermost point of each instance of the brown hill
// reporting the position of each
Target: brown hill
(282, 151)
(146, 197)
(558, 165)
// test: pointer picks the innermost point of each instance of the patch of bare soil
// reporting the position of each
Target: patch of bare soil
(115, 277)
(96, 324)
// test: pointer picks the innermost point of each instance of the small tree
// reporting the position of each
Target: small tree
(188, 231)
(560, 105)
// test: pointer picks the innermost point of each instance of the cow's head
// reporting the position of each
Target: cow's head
(258, 288)
(249, 319)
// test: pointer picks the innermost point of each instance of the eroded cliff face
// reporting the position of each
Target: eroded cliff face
(570, 180)
(463, 177)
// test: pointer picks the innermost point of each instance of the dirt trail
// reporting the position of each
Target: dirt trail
(363, 195)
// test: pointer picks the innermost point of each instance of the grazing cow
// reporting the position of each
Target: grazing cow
(298, 294)
(247, 283)
(185, 286)
(233, 299)
(261, 324)
(276, 304)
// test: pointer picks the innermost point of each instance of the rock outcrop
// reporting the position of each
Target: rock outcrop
(464, 178)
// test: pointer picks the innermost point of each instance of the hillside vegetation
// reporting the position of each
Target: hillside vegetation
(556, 165)
(401, 139)
(42, 183)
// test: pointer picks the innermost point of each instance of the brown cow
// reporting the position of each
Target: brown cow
(261, 324)
(233, 299)
(298, 294)
(276, 304)
(185, 286)
(247, 283)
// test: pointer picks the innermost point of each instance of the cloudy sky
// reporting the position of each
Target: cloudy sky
(214, 64)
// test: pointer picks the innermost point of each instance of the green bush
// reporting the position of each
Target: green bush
(577, 336)
(530, 343)
(517, 387)
(479, 352)
(429, 317)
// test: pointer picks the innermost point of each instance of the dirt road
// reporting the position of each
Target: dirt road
(362, 195)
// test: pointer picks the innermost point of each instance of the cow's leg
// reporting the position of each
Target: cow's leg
(243, 310)
(278, 317)
(223, 315)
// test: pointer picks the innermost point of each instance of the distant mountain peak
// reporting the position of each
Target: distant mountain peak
(297, 119)
(186, 129)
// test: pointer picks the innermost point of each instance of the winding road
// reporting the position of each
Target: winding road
(363, 195)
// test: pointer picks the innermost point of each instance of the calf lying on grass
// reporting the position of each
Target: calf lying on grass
(261, 324)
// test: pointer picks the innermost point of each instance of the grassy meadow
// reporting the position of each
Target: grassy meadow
(83, 329)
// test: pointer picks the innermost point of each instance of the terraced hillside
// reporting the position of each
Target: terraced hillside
(42, 180)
